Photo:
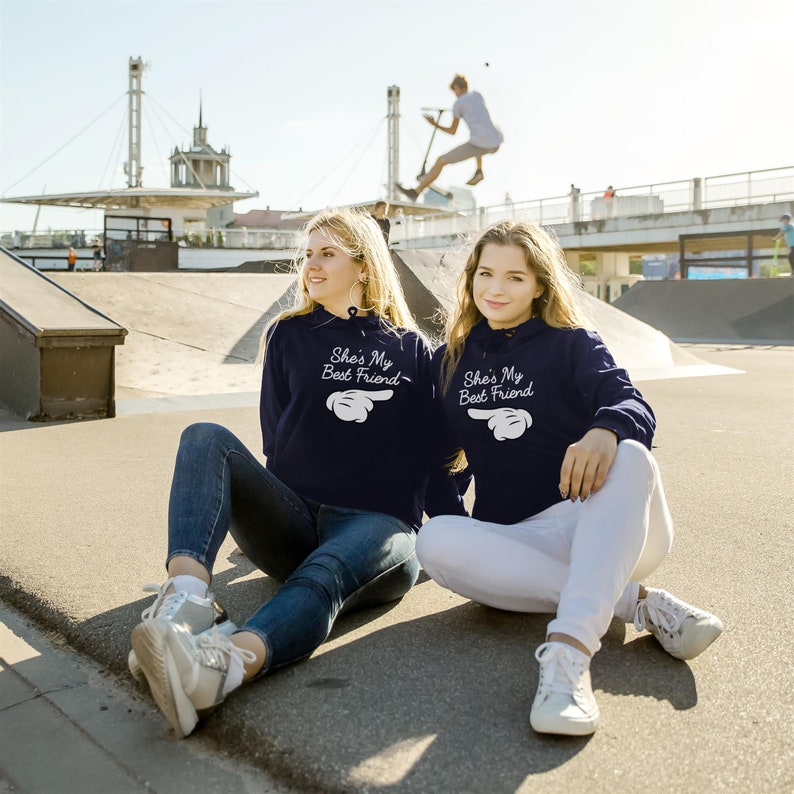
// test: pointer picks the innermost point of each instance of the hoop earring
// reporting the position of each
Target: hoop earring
(352, 301)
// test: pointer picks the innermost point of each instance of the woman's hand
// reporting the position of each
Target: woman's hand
(430, 119)
(587, 463)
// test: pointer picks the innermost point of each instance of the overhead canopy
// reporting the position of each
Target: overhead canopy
(136, 198)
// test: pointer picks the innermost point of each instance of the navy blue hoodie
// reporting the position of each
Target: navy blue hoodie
(348, 415)
(519, 397)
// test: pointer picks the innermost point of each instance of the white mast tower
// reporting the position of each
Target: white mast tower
(394, 142)
(133, 168)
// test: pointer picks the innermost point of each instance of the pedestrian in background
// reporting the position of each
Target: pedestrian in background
(787, 233)
(381, 208)
(98, 256)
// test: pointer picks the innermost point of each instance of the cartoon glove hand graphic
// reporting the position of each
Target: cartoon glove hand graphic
(505, 422)
(354, 405)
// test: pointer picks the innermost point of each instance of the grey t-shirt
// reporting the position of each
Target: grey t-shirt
(471, 108)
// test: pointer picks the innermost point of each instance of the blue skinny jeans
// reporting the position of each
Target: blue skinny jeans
(330, 559)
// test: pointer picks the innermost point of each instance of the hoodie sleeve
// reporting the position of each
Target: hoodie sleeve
(608, 391)
(444, 494)
(274, 395)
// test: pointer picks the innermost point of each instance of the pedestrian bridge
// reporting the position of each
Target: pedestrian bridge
(736, 214)
(641, 219)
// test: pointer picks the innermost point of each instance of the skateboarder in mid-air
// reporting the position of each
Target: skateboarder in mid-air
(485, 137)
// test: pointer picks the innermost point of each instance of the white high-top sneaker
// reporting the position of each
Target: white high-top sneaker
(564, 702)
(682, 630)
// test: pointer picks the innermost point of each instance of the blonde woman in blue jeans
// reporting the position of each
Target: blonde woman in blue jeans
(345, 372)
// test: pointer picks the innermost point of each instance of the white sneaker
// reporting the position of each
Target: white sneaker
(195, 613)
(564, 702)
(681, 629)
(186, 673)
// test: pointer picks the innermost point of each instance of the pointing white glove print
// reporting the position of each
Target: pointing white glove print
(505, 422)
(354, 405)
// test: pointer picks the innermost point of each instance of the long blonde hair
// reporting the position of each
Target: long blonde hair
(544, 257)
(357, 235)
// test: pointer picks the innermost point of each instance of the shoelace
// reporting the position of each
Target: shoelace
(165, 605)
(558, 672)
(212, 648)
(667, 616)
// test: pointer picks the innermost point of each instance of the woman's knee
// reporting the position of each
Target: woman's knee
(634, 458)
(436, 537)
(633, 450)
(205, 440)
(204, 432)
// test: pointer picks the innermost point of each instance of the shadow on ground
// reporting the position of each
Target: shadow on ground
(402, 706)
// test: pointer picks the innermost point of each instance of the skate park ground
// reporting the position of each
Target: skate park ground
(431, 694)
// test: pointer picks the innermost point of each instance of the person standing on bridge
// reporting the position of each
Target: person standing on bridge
(485, 137)
(346, 372)
(787, 233)
(98, 257)
(570, 513)
(379, 216)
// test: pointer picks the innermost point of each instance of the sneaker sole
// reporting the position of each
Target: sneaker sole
(559, 726)
(135, 668)
(151, 649)
(704, 636)
(224, 627)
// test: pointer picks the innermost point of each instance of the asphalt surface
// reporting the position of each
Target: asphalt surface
(433, 693)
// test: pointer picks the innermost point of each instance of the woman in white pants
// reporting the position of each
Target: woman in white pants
(570, 514)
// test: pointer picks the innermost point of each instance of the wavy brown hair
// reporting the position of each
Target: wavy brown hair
(543, 256)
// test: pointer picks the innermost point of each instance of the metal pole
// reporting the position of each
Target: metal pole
(750, 255)
(393, 94)
(134, 167)
(683, 266)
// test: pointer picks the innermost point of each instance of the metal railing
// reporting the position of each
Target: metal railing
(750, 187)
(450, 226)
(746, 188)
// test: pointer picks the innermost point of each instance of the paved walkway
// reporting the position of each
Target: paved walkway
(68, 726)
(433, 694)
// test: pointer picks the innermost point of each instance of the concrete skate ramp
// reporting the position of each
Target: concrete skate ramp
(189, 333)
(194, 337)
(758, 311)
(428, 278)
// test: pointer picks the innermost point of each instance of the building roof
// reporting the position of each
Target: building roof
(136, 198)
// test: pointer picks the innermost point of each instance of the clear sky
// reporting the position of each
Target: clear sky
(593, 92)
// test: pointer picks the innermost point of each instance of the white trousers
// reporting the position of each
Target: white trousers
(583, 560)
